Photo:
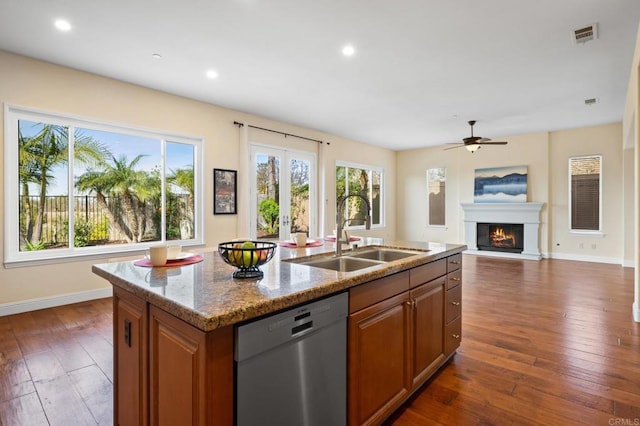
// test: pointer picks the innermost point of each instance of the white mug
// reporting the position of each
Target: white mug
(300, 238)
(158, 255)
(173, 250)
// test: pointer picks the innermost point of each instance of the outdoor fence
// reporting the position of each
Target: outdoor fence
(91, 222)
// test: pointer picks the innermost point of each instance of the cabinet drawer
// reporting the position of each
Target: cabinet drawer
(378, 290)
(425, 273)
(454, 279)
(454, 303)
(454, 262)
(452, 336)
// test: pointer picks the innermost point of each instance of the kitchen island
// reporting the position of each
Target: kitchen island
(174, 328)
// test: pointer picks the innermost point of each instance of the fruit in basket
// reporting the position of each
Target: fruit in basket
(235, 254)
(248, 256)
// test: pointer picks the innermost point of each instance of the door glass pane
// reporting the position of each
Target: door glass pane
(299, 185)
(268, 196)
(180, 184)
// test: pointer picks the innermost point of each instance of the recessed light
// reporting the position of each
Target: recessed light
(63, 25)
(212, 74)
(348, 50)
(156, 56)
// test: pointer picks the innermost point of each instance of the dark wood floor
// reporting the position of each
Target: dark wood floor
(544, 343)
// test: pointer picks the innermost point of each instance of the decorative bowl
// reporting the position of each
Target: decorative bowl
(247, 260)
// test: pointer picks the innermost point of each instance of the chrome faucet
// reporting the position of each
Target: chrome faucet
(340, 223)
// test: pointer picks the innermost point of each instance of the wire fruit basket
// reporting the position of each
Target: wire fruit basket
(247, 259)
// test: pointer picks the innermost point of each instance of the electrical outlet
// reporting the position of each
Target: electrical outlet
(593, 246)
(581, 245)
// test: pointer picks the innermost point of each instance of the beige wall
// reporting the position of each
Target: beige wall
(546, 156)
(35, 84)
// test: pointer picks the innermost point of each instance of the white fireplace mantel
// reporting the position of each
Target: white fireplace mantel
(527, 214)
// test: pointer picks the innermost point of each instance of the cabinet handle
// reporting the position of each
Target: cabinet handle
(455, 262)
(455, 278)
(455, 336)
(411, 303)
(455, 303)
(127, 332)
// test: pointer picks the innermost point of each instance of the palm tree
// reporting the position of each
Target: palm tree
(132, 187)
(183, 179)
(39, 155)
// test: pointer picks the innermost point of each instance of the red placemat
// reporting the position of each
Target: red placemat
(187, 261)
(310, 243)
(332, 238)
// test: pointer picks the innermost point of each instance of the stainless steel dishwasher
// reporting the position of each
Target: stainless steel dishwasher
(291, 367)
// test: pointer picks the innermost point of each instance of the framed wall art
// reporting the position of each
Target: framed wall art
(501, 185)
(225, 192)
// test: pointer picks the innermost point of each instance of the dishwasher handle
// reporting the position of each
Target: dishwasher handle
(298, 330)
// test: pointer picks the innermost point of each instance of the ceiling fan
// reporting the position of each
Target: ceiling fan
(473, 143)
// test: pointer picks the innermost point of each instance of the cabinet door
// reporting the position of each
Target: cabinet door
(427, 314)
(130, 359)
(378, 360)
(177, 367)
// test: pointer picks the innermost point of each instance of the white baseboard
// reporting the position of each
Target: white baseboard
(50, 302)
(583, 258)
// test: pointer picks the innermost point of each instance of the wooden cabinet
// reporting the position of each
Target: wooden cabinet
(453, 306)
(400, 332)
(130, 321)
(427, 314)
(177, 371)
(171, 372)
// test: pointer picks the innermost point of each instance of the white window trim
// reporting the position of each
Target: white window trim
(383, 192)
(599, 233)
(13, 257)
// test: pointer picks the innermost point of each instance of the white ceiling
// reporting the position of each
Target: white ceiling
(422, 68)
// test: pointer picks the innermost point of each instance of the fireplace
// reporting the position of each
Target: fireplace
(504, 237)
(525, 214)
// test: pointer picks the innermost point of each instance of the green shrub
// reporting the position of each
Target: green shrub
(270, 212)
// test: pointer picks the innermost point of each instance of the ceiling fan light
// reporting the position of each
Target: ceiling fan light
(472, 148)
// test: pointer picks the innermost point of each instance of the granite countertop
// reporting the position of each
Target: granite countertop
(206, 295)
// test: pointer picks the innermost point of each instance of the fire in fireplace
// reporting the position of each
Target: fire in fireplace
(505, 237)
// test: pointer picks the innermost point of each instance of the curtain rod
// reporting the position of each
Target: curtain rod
(282, 133)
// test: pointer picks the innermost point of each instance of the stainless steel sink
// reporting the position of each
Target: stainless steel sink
(361, 259)
(383, 254)
(341, 264)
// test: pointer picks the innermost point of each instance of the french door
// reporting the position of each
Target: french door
(283, 193)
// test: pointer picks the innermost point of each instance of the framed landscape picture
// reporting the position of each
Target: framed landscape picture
(224, 191)
(501, 185)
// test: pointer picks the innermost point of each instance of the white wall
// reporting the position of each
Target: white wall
(546, 156)
(31, 83)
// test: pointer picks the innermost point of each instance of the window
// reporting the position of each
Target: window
(436, 179)
(366, 181)
(78, 187)
(585, 189)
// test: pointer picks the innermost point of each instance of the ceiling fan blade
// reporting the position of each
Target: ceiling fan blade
(453, 147)
(471, 139)
(484, 140)
(493, 143)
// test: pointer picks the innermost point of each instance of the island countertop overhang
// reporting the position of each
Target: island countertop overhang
(206, 296)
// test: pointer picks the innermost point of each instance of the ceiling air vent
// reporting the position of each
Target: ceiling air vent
(585, 34)
(591, 101)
